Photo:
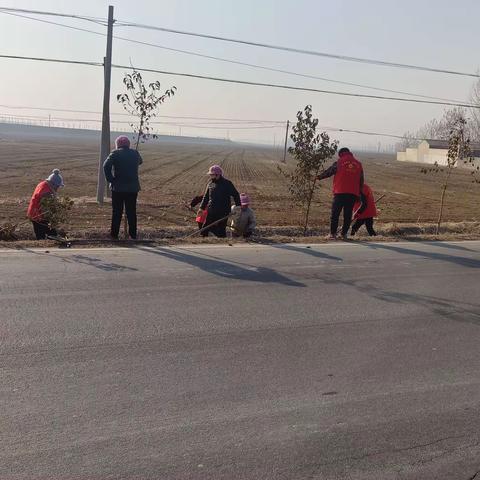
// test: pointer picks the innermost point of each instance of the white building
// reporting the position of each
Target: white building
(434, 151)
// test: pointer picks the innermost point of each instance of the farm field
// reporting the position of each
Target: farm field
(172, 174)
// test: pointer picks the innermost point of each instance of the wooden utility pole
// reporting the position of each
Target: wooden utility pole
(286, 140)
(105, 142)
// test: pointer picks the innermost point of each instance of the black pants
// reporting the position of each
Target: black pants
(246, 234)
(129, 199)
(368, 223)
(219, 229)
(345, 202)
(42, 230)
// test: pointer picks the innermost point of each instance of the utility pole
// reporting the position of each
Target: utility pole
(286, 140)
(105, 142)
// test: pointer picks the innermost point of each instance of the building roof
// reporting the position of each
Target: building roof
(443, 145)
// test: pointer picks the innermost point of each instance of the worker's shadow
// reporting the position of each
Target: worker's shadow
(225, 269)
(462, 261)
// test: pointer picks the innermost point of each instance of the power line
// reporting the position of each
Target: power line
(49, 22)
(236, 62)
(223, 125)
(279, 70)
(54, 14)
(247, 42)
(178, 117)
(53, 60)
(302, 89)
(326, 128)
(299, 50)
(245, 82)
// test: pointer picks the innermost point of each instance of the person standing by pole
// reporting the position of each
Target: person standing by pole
(217, 201)
(121, 171)
(348, 180)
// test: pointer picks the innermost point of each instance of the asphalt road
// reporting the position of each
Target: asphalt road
(338, 361)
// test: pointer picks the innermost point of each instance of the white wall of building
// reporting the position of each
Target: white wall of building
(411, 155)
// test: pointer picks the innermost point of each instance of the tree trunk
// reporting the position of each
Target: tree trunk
(309, 203)
(442, 200)
(140, 130)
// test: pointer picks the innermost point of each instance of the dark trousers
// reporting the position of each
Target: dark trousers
(42, 230)
(368, 223)
(219, 229)
(345, 202)
(247, 234)
(119, 199)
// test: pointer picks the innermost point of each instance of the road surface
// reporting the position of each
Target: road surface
(339, 361)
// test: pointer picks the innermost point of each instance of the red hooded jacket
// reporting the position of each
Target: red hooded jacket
(34, 211)
(348, 176)
(371, 210)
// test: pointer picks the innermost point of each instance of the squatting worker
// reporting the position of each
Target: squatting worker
(217, 201)
(121, 171)
(366, 211)
(46, 188)
(243, 218)
(347, 188)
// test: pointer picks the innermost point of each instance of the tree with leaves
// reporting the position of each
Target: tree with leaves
(142, 101)
(458, 151)
(311, 150)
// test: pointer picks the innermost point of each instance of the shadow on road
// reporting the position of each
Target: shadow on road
(446, 245)
(225, 269)
(307, 251)
(97, 263)
(462, 261)
(464, 312)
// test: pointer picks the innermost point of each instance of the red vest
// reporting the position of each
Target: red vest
(371, 210)
(34, 211)
(349, 173)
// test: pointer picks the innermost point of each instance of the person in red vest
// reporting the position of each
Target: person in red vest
(347, 174)
(201, 217)
(366, 212)
(48, 187)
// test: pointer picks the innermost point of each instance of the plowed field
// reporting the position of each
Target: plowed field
(172, 174)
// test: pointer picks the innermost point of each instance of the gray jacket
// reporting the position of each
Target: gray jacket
(121, 170)
(243, 221)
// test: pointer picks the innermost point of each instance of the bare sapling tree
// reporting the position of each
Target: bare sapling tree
(458, 151)
(475, 111)
(311, 150)
(142, 101)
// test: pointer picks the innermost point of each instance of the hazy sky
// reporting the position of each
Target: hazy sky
(436, 33)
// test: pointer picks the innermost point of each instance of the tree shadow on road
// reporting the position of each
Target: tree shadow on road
(225, 269)
(98, 263)
(84, 260)
(307, 251)
(464, 312)
(462, 261)
(450, 246)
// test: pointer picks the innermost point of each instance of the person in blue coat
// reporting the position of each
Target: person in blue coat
(121, 171)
